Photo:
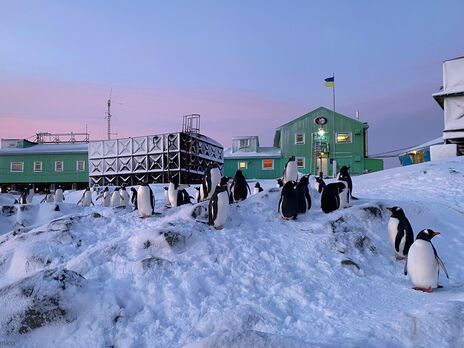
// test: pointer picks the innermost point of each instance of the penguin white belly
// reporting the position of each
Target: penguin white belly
(202, 193)
(30, 195)
(256, 190)
(197, 196)
(215, 180)
(58, 196)
(106, 199)
(87, 199)
(422, 265)
(124, 198)
(291, 172)
(144, 201)
(223, 209)
(393, 230)
(344, 199)
(280, 209)
(172, 195)
(115, 199)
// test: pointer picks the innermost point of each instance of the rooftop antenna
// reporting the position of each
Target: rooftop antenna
(108, 115)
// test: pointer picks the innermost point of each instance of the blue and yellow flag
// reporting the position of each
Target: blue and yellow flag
(330, 82)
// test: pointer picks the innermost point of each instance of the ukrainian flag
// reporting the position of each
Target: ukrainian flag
(330, 82)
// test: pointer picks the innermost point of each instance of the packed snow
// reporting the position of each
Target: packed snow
(103, 277)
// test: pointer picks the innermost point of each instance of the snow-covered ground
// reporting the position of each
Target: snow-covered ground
(102, 277)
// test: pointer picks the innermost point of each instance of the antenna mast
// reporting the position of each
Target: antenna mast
(108, 115)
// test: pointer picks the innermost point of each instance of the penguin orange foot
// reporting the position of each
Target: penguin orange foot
(423, 289)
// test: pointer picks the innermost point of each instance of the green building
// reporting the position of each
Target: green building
(23, 162)
(321, 141)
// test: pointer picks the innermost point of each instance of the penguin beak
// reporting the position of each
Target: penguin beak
(435, 234)
(390, 209)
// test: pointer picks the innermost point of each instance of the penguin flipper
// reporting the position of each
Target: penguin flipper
(406, 267)
(442, 265)
(399, 236)
(280, 202)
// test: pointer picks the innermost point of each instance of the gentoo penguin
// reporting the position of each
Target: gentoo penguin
(177, 194)
(258, 188)
(239, 188)
(218, 207)
(86, 199)
(290, 171)
(211, 179)
(344, 195)
(23, 196)
(423, 262)
(400, 233)
(59, 197)
(280, 183)
(330, 199)
(124, 196)
(167, 202)
(320, 184)
(105, 195)
(115, 198)
(288, 203)
(345, 176)
(145, 200)
(197, 194)
(303, 196)
(134, 198)
(30, 194)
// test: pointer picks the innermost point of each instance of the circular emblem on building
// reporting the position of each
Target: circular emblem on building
(321, 120)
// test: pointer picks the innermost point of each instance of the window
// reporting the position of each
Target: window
(268, 164)
(242, 165)
(343, 138)
(58, 166)
(299, 138)
(244, 143)
(300, 162)
(37, 166)
(80, 166)
(16, 167)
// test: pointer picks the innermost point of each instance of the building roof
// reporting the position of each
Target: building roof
(436, 141)
(46, 148)
(264, 152)
(454, 91)
(325, 110)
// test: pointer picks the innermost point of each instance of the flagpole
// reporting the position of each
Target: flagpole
(333, 116)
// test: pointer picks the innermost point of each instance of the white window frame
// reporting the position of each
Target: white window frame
(267, 159)
(247, 141)
(240, 168)
(83, 166)
(56, 166)
(41, 166)
(304, 162)
(344, 142)
(16, 171)
(300, 142)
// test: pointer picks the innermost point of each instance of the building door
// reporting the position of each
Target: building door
(323, 166)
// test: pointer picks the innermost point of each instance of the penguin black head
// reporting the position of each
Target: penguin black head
(257, 185)
(344, 170)
(197, 188)
(224, 181)
(132, 189)
(427, 234)
(396, 211)
(116, 189)
(341, 186)
(105, 189)
(304, 180)
(238, 173)
(174, 181)
(280, 182)
(292, 158)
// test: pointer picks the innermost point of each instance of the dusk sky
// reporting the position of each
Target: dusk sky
(245, 66)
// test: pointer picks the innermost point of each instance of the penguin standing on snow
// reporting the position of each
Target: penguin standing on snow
(345, 176)
(105, 196)
(211, 179)
(239, 188)
(176, 194)
(423, 262)
(124, 196)
(197, 194)
(288, 203)
(134, 198)
(30, 193)
(86, 199)
(330, 198)
(115, 198)
(400, 233)
(59, 197)
(258, 188)
(218, 207)
(320, 184)
(303, 196)
(290, 171)
(344, 195)
(145, 200)
(167, 202)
